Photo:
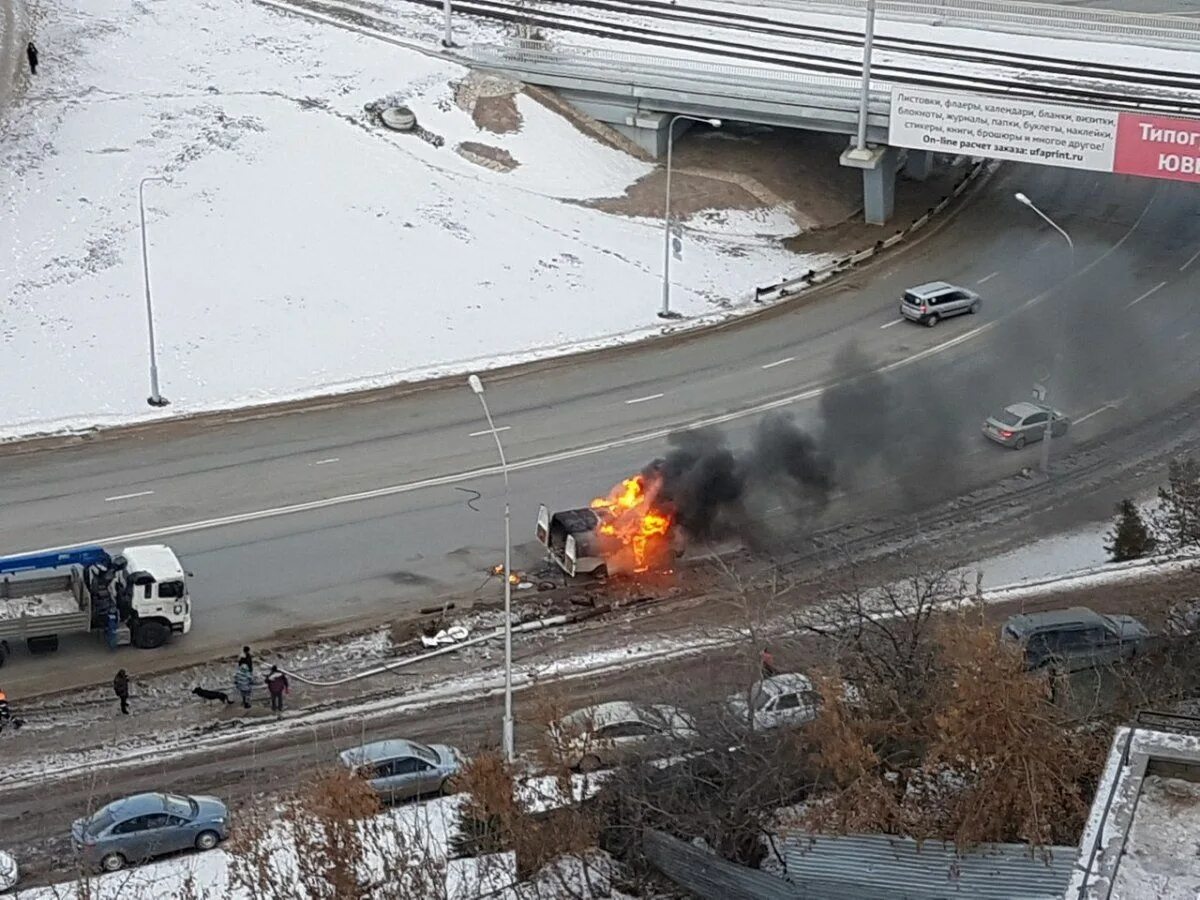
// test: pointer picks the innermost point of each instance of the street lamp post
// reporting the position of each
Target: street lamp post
(1021, 198)
(665, 312)
(509, 751)
(865, 90)
(447, 37)
(155, 398)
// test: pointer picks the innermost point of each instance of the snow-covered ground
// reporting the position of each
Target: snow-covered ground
(300, 248)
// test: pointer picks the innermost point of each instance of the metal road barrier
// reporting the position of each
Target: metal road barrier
(1038, 19)
(688, 77)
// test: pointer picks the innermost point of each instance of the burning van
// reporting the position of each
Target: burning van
(627, 532)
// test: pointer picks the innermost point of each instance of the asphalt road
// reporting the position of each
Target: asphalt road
(383, 526)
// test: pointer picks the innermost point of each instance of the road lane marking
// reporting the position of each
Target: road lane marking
(1095, 412)
(629, 440)
(987, 278)
(1184, 336)
(489, 431)
(128, 496)
(1195, 256)
(642, 399)
(780, 362)
(1153, 290)
(893, 322)
(325, 462)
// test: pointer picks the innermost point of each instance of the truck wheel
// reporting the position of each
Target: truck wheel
(150, 634)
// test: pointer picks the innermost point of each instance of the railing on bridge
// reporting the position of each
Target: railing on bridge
(690, 76)
(1039, 19)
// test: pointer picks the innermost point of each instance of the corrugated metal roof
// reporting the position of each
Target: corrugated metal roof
(879, 867)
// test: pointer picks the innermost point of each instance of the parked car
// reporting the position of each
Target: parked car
(400, 770)
(143, 826)
(610, 732)
(937, 300)
(10, 872)
(789, 698)
(1069, 640)
(1023, 423)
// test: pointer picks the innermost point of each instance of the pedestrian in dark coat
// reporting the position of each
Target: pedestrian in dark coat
(246, 659)
(5, 712)
(121, 689)
(277, 686)
(243, 681)
(31, 52)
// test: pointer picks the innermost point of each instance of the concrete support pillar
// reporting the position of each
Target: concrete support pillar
(878, 166)
(649, 131)
(919, 165)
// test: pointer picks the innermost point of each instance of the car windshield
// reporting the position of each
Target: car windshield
(100, 821)
(1006, 417)
(184, 807)
(422, 752)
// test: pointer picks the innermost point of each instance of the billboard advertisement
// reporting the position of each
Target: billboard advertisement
(1050, 134)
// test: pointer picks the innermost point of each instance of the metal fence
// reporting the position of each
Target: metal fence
(1039, 19)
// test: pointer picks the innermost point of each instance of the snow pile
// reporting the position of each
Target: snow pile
(55, 604)
(300, 247)
(1160, 859)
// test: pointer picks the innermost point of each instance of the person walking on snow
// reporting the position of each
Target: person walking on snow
(246, 659)
(121, 689)
(277, 686)
(32, 54)
(244, 682)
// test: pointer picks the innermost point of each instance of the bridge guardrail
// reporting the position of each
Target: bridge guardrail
(635, 68)
(1038, 19)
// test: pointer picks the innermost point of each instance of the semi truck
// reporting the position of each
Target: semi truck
(139, 596)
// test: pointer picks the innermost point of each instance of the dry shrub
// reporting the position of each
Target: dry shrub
(984, 756)
(345, 847)
(492, 820)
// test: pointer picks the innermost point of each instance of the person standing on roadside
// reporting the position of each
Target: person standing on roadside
(277, 686)
(246, 659)
(5, 712)
(244, 682)
(121, 689)
(32, 54)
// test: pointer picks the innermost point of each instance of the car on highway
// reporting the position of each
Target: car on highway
(608, 733)
(401, 770)
(140, 827)
(1024, 423)
(1070, 640)
(10, 872)
(929, 303)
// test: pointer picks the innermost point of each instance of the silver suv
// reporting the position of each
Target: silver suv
(937, 300)
(1069, 640)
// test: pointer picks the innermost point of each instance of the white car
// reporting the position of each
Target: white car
(604, 734)
(10, 874)
(785, 699)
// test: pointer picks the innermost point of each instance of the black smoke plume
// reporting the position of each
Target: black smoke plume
(718, 492)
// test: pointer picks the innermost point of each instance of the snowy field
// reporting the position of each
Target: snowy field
(300, 248)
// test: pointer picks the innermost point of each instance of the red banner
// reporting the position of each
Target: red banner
(1158, 147)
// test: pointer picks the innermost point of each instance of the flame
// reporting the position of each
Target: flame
(635, 519)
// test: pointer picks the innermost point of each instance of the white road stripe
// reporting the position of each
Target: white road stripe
(563, 455)
(987, 278)
(1195, 256)
(893, 322)
(325, 462)
(780, 362)
(489, 431)
(642, 399)
(1095, 412)
(128, 496)
(1185, 336)
(1152, 290)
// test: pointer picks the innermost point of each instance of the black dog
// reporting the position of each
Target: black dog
(206, 694)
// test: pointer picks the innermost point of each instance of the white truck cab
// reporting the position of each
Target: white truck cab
(154, 581)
